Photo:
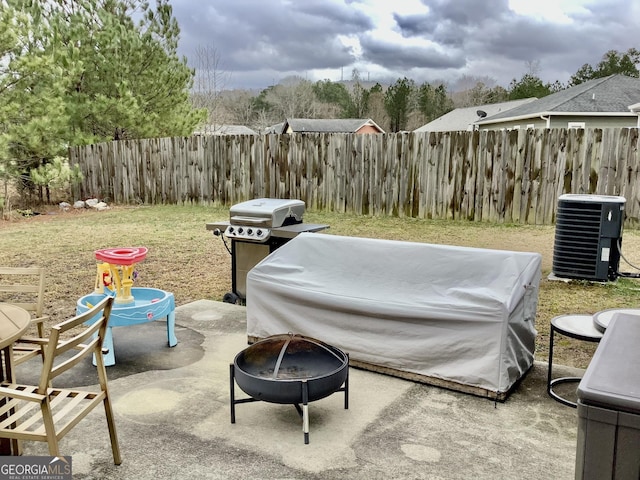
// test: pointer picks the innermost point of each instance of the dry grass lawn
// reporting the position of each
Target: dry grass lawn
(189, 261)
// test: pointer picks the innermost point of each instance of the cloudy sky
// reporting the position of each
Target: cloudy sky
(260, 42)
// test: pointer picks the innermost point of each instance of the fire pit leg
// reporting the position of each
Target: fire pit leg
(305, 411)
(232, 394)
(346, 392)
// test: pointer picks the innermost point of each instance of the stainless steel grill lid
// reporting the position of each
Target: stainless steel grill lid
(267, 212)
(253, 220)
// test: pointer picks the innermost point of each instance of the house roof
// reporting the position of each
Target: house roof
(333, 125)
(277, 128)
(609, 95)
(226, 130)
(464, 118)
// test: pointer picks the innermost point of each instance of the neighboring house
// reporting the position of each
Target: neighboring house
(611, 101)
(338, 125)
(225, 130)
(277, 128)
(465, 118)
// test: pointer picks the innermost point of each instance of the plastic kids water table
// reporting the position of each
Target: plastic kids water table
(132, 305)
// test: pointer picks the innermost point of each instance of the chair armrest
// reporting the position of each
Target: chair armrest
(39, 319)
(39, 324)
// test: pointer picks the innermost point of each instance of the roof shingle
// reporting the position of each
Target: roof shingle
(614, 93)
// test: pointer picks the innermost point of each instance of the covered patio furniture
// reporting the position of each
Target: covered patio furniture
(457, 317)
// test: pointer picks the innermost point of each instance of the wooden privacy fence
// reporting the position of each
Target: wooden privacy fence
(498, 176)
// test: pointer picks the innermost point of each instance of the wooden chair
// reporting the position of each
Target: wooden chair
(24, 287)
(46, 414)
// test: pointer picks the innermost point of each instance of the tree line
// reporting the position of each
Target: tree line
(402, 105)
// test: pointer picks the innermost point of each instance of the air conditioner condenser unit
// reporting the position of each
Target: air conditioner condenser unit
(588, 236)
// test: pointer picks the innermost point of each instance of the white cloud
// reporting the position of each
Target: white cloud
(556, 11)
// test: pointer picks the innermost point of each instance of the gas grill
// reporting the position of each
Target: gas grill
(256, 228)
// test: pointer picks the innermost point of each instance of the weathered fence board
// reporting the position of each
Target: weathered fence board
(497, 176)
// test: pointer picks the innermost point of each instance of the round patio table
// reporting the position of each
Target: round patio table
(580, 327)
(14, 322)
(603, 318)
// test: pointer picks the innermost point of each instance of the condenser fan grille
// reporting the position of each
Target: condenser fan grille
(588, 230)
(576, 240)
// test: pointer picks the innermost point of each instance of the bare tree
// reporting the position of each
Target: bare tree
(264, 120)
(376, 110)
(359, 96)
(471, 90)
(210, 80)
(533, 67)
(237, 106)
(293, 97)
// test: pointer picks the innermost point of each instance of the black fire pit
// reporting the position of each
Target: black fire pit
(290, 369)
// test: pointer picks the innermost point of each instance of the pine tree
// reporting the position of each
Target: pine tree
(612, 62)
(84, 71)
(126, 79)
(32, 109)
(397, 103)
(528, 86)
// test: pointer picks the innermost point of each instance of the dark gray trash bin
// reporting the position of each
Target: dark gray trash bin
(609, 405)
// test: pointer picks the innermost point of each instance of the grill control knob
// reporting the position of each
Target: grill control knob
(230, 229)
(259, 233)
(250, 231)
(240, 230)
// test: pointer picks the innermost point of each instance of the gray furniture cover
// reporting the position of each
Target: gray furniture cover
(464, 315)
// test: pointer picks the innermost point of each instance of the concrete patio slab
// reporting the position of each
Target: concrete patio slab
(173, 419)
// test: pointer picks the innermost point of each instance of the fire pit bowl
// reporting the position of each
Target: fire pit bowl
(273, 369)
(289, 369)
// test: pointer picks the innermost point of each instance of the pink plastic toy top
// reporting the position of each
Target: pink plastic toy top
(122, 256)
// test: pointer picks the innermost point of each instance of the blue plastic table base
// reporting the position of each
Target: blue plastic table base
(150, 304)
